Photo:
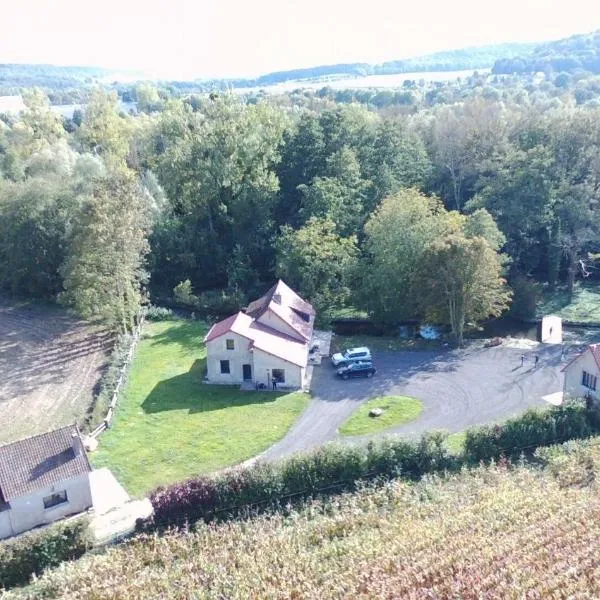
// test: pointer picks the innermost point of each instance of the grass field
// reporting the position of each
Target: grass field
(397, 410)
(169, 425)
(499, 532)
(585, 307)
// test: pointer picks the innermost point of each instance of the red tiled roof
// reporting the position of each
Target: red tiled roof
(226, 325)
(593, 348)
(41, 461)
(288, 306)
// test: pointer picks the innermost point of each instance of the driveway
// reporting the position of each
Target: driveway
(459, 389)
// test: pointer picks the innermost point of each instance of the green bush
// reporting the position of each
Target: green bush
(534, 428)
(34, 552)
(159, 313)
(526, 294)
(331, 467)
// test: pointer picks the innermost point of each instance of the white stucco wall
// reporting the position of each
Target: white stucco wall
(27, 512)
(263, 362)
(216, 351)
(5, 525)
(573, 375)
(270, 319)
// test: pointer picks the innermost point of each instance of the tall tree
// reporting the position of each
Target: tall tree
(397, 236)
(318, 262)
(461, 281)
(104, 271)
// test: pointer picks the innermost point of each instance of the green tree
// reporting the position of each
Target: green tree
(103, 131)
(460, 281)
(104, 270)
(318, 262)
(397, 236)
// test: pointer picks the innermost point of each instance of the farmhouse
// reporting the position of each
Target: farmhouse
(267, 342)
(582, 374)
(43, 478)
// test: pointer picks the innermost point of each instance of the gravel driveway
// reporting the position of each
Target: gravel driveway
(459, 389)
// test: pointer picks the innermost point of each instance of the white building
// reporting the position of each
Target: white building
(582, 374)
(42, 479)
(268, 342)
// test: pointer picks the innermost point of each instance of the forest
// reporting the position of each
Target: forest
(450, 211)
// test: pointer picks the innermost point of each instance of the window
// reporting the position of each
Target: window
(230, 344)
(55, 499)
(588, 380)
(224, 366)
(279, 375)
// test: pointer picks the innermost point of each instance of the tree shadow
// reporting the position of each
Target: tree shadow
(187, 334)
(189, 392)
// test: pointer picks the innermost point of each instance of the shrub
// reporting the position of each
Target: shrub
(532, 429)
(159, 313)
(331, 466)
(34, 552)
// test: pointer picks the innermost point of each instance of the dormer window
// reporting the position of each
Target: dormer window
(230, 344)
(277, 298)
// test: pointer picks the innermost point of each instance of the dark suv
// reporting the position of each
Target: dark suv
(357, 369)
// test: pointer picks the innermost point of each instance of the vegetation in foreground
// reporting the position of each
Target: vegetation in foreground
(169, 425)
(501, 531)
(397, 410)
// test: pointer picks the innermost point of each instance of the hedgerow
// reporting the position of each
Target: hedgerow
(34, 552)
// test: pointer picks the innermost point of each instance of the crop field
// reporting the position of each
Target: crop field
(498, 532)
(49, 365)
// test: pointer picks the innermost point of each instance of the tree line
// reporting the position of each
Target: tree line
(435, 214)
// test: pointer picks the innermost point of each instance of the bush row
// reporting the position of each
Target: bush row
(159, 313)
(330, 467)
(335, 466)
(532, 429)
(33, 552)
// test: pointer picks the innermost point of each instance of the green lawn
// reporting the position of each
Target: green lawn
(455, 442)
(584, 308)
(169, 425)
(398, 410)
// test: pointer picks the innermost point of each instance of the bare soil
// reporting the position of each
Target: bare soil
(50, 363)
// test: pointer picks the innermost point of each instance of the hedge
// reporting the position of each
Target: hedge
(337, 467)
(534, 428)
(331, 466)
(34, 552)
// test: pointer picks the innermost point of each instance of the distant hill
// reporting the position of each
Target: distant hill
(481, 57)
(570, 54)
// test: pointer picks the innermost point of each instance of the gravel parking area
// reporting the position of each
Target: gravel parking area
(459, 389)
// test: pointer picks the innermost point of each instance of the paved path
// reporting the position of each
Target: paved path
(459, 389)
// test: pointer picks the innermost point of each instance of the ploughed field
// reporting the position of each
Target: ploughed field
(499, 532)
(50, 363)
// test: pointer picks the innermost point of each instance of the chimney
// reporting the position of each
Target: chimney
(76, 443)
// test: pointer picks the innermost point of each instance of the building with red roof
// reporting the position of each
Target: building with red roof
(582, 374)
(267, 342)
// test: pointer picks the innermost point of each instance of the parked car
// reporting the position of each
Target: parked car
(350, 355)
(357, 369)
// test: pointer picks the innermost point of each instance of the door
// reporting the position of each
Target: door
(247, 371)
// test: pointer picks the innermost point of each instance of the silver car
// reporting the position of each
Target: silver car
(351, 355)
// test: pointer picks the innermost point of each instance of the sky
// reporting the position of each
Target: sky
(246, 38)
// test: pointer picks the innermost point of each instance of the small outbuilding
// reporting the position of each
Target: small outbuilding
(42, 479)
(551, 330)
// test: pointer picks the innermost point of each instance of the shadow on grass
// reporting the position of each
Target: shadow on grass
(189, 392)
(188, 334)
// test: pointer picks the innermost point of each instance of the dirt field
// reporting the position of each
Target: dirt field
(49, 365)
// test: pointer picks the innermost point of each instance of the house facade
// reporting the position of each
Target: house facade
(582, 375)
(42, 479)
(267, 342)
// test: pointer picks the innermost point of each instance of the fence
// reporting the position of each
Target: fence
(124, 369)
